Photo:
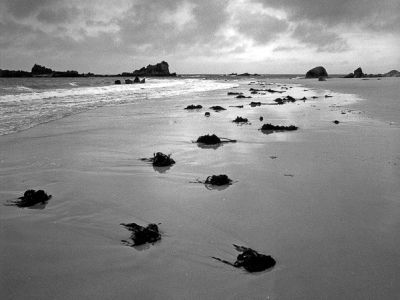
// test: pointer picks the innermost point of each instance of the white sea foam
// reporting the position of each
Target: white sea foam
(20, 111)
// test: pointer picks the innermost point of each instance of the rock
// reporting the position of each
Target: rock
(285, 100)
(321, 78)
(213, 140)
(194, 107)
(143, 80)
(41, 70)
(207, 114)
(336, 122)
(117, 82)
(250, 260)
(254, 104)
(270, 127)
(136, 80)
(393, 73)
(304, 98)
(128, 81)
(240, 120)
(350, 75)
(160, 69)
(142, 235)
(358, 73)
(31, 198)
(261, 119)
(218, 180)
(217, 108)
(242, 96)
(162, 160)
(237, 106)
(209, 139)
(328, 96)
(317, 72)
(234, 93)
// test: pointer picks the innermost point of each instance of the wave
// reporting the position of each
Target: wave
(21, 111)
(18, 88)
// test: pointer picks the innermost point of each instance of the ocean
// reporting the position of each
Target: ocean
(27, 102)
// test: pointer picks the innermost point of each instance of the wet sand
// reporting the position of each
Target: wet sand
(326, 208)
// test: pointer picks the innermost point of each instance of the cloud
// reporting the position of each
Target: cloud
(318, 36)
(369, 14)
(57, 16)
(114, 37)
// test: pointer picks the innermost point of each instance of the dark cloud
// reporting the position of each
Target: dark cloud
(261, 28)
(372, 14)
(319, 37)
(25, 8)
(58, 15)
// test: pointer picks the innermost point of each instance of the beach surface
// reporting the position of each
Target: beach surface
(324, 200)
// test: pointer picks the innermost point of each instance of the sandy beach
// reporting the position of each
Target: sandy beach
(322, 200)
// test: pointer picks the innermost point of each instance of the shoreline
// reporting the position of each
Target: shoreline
(324, 223)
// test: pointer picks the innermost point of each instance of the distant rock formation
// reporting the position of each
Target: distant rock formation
(358, 73)
(393, 73)
(317, 72)
(160, 69)
(13, 73)
(41, 70)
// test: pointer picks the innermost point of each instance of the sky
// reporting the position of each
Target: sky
(201, 36)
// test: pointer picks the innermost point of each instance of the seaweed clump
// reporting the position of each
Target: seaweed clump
(213, 140)
(162, 160)
(250, 260)
(242, 96)
(32, 197)
(240, 120)
(285, 100)
(194, 107)
(209, 139)
(142, 235)
(217, 108)
(270, 127)
(218, 180)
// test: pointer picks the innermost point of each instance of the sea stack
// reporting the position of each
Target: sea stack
(317, 72)
(160, 69)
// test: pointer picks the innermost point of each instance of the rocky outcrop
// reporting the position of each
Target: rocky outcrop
(160, 69)
(393, 73)
(317, 72)
(41, 70)
(358, 73)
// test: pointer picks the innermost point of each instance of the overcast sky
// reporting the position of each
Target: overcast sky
(204, 36)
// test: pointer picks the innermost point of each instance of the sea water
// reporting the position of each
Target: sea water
(27, 102)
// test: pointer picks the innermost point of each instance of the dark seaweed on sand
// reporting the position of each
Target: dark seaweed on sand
(213, 140)
(218, 180)
(160, 159)
(240, 120)
(242, 96)
(250, 260)
(193, 107)
(217, 108)
(31, 198)
(270, 127)
(142, 235)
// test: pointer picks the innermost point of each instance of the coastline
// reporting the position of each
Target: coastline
(337, 211)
